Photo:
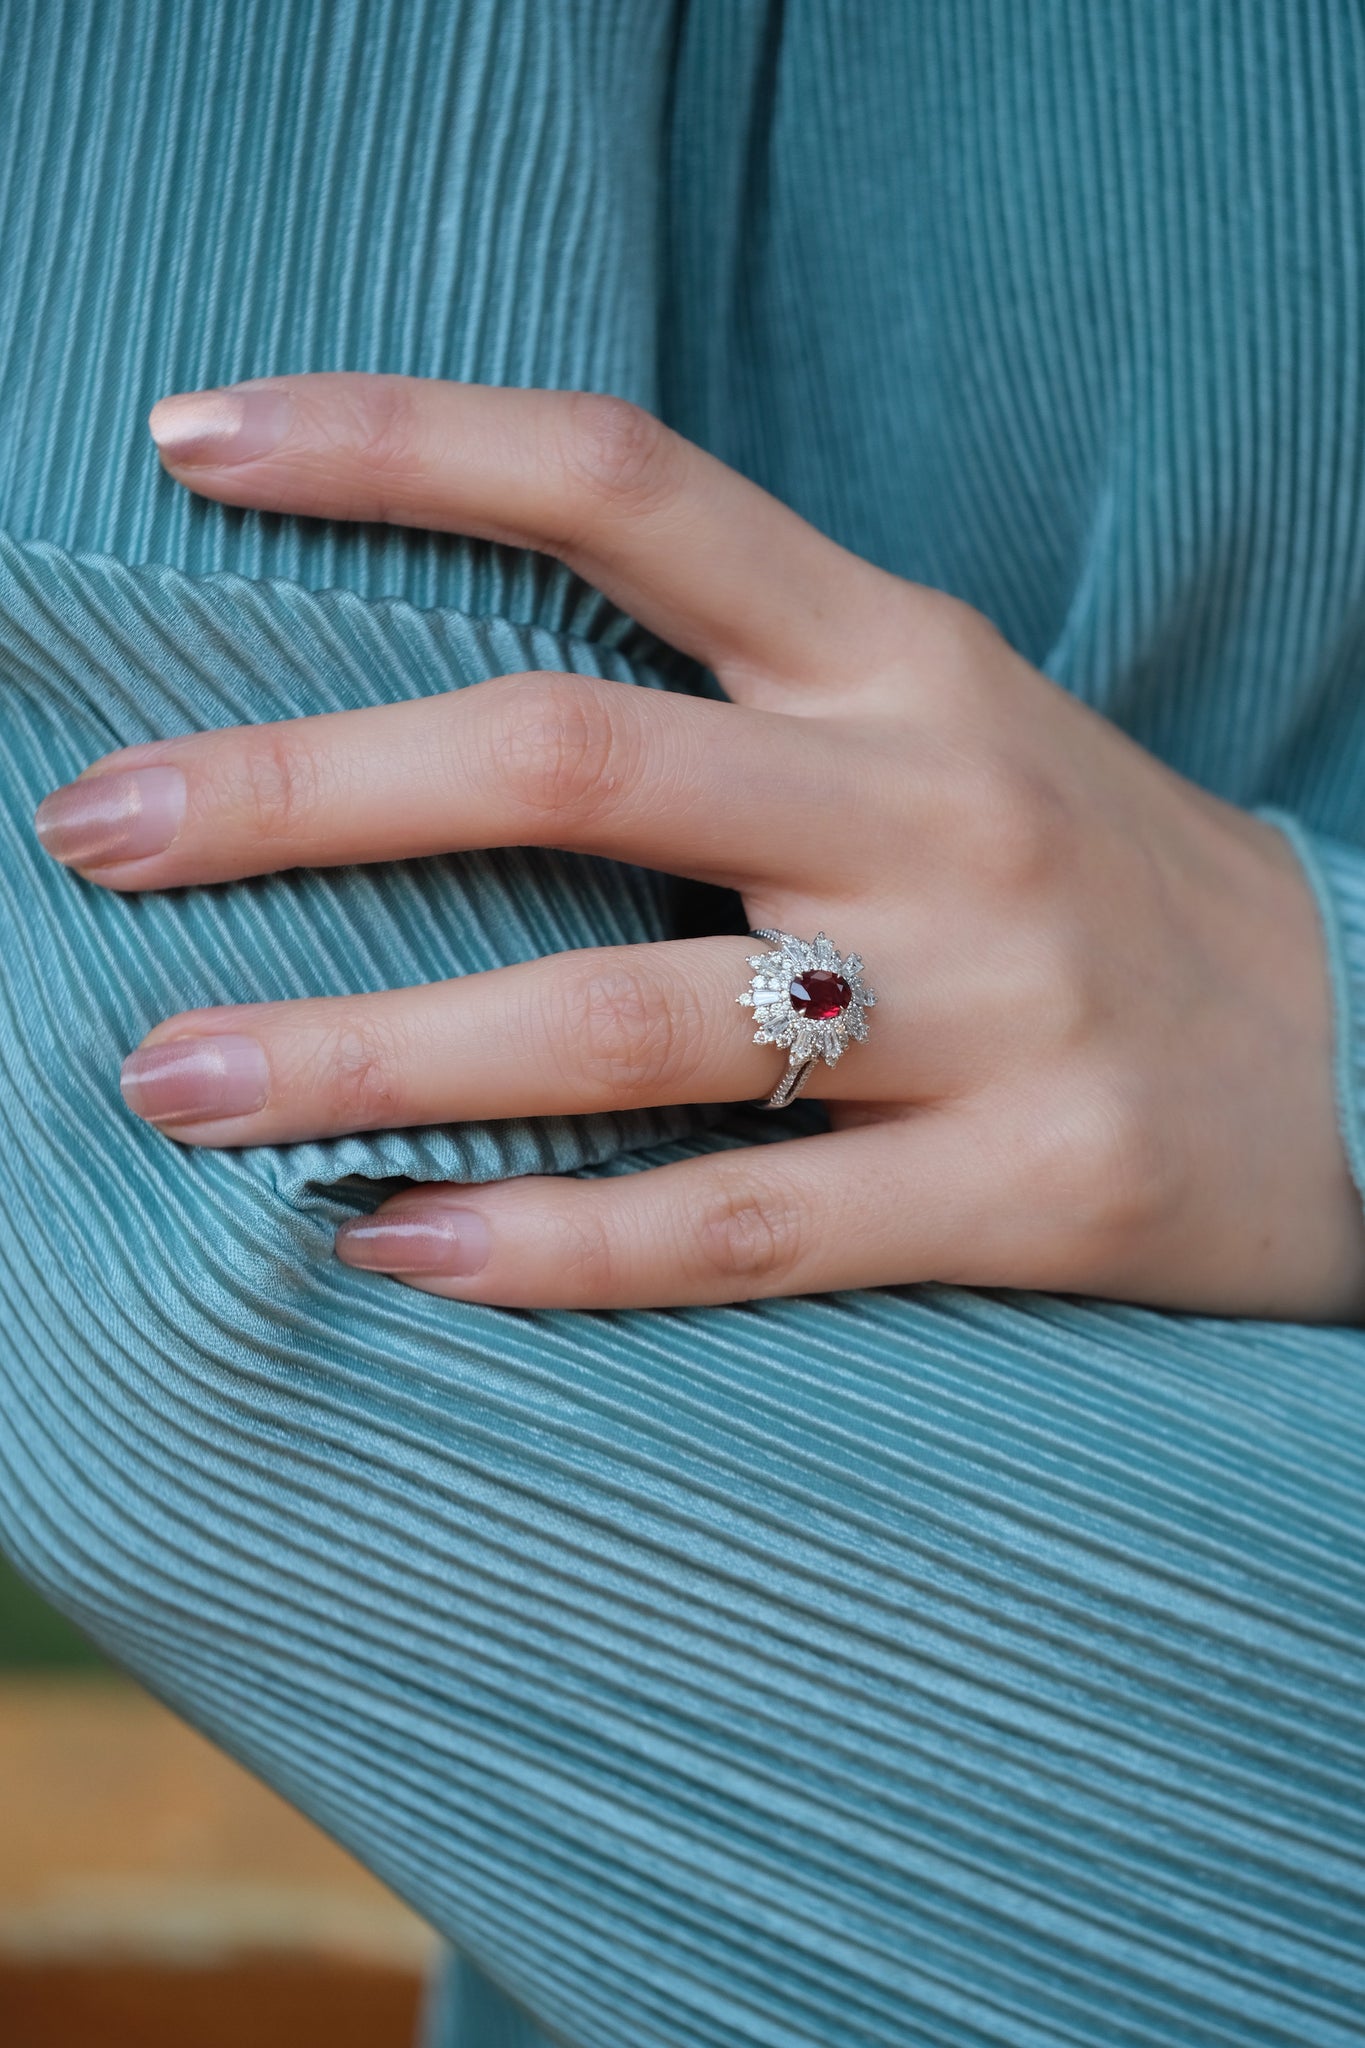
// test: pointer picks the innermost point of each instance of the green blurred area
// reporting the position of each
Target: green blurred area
(35, 1638)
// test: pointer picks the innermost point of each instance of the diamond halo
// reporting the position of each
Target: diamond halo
(809, 1001)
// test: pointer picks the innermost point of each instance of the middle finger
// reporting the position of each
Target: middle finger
(687, 785)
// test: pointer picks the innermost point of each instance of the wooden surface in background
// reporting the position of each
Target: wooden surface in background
(152, 1893)
(257, 2002)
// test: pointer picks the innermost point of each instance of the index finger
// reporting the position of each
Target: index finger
(689, 547)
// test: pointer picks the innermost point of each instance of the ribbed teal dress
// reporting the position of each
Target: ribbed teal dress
(912, 1667)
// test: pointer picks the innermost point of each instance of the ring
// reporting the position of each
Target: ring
(808, 1001)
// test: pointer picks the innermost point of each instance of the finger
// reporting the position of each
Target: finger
(606, 1028)
(706, 559)
(686, 785)
(885, 1204)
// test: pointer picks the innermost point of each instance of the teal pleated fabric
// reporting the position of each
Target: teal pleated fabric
(908, 1669)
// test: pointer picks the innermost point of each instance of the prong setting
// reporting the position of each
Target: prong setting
(806, 999)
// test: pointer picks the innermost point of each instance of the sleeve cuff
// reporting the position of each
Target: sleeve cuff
(1336, 873)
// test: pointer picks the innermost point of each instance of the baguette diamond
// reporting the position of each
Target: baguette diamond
(808, 1001)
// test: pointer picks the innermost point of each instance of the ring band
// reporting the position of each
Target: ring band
(808, 1001)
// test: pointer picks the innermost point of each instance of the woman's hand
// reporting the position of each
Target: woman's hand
(1101, 1060)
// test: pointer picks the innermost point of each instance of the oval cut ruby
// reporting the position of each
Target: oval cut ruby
(820, 995)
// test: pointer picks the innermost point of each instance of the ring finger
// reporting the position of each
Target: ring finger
(601, 1029)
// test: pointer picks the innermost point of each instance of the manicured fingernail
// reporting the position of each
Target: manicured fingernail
(195, 1080)
(233, 425)
(450, 1242)
(113, 817)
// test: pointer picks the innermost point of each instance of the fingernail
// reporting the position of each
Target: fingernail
(194, 1080)
(108, 818)
(452, 1242)
(232, 425)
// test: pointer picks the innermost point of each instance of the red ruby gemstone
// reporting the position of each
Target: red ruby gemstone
(821, 996)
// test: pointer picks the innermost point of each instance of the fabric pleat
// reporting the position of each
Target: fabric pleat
(915, 1668)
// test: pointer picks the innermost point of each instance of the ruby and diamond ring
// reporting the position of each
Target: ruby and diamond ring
(809, 1002)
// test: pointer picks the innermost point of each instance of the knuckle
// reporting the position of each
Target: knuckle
(618, 456)
(355, 1069)
(949, 639)
(1059, 990)
(581, 1254)
(280, 788)
(1106, 1160)
(749, 1236)
(950, 618)
(555, 747)
(1011, 821)
(382, 428)
(627, 1034)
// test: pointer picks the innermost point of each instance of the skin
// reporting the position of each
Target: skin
(1101, 1060)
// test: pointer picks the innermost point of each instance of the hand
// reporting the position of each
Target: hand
(1101, 1061)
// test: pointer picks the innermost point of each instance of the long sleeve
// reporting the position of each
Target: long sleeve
(1337, 874)
(905, 1667)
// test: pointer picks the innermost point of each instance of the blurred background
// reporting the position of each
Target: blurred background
(151, 1893)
